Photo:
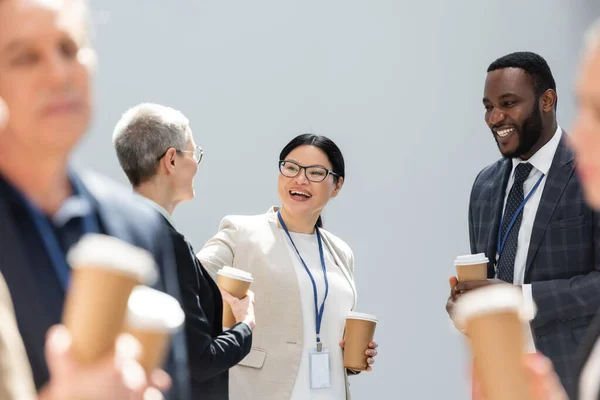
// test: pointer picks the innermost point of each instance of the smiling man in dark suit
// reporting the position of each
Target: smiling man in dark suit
(527, 212)
(45, 205)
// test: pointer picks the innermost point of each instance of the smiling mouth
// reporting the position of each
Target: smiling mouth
(297, 193)
(504, 132)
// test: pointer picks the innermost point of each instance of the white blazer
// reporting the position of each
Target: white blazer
(254, 244)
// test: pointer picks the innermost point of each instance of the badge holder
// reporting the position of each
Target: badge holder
(319, 367)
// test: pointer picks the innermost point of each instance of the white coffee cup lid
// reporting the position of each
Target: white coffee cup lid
(101, 251)
(236, 273)
(492, 299)
(362, 316)
(471, 259)
(152, 310)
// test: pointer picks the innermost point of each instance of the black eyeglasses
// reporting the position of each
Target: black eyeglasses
(197, 153)
(313, 173)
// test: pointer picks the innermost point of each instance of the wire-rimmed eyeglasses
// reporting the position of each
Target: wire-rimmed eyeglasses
(197, 153)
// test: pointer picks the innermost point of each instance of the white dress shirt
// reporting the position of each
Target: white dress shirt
(339, 302)
(163, 211)
(541, 162)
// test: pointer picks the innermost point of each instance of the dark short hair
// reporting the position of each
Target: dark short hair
(533, 64)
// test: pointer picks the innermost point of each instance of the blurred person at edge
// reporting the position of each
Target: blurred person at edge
(46, 206)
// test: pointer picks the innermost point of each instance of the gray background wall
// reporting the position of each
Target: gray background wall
(396, 84)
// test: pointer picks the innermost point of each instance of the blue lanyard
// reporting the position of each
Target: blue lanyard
(50, 241)
(318, 311)
(502, 240)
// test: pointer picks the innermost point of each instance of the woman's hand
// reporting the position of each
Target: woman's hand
(371, 352)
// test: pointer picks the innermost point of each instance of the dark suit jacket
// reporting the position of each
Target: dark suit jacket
(211, 352)
(563, 262)
(120, 216)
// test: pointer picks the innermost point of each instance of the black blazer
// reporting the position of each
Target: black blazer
(121, 216)
(211, 352)
(563, 262)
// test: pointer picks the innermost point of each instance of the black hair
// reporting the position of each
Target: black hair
(331, 150)
(534, 65)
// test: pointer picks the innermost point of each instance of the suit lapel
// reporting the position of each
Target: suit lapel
(560, 172)
(497, 194)
(284, 272)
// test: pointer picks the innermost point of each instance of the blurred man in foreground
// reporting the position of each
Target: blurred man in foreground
(45, 205)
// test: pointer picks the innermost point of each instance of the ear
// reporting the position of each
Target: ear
(169, 160)
(549, 99)
(3, 114)
(338, 187)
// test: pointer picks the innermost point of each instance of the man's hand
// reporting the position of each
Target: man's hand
(471, 285)
(116, 377)
(453, 281)
(544, 384)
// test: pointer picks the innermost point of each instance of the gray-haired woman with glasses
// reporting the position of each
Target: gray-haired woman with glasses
(156, 149)
(303, 280)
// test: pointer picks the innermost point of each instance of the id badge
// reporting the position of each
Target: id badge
(319, 369)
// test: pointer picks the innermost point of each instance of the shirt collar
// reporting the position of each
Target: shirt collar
(79, 204)
(542, 159)
(163, 211)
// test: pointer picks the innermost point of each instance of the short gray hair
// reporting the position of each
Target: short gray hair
(143, 134)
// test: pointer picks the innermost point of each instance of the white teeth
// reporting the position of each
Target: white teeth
(505, 132)
(300, 193)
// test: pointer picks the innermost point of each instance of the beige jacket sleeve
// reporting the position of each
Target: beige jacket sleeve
(16, 381)
(219, 251)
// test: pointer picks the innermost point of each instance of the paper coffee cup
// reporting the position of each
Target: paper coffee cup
(237, 283)
(104, 272)
(152, 318)
(360, 330)
(472, 267)
(493, 317)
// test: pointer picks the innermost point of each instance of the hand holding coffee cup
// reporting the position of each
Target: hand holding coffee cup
(152, 318)
(471, 267)
(104, 272)
(544, 383)
(358, 341)
(237, 283)
(242, 309)
(371, 352)
(116, 376)
(493, 318)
